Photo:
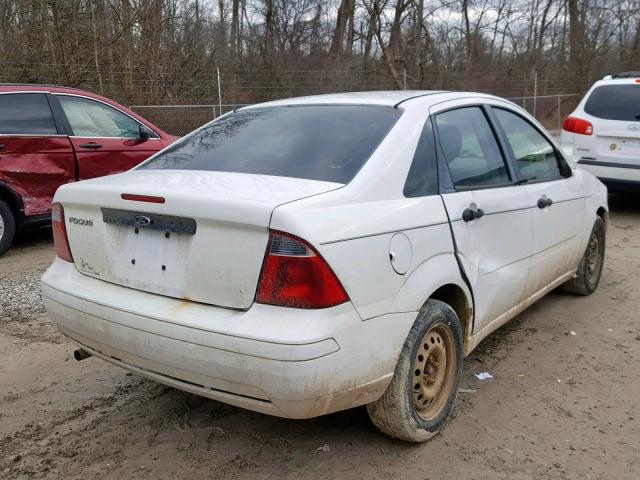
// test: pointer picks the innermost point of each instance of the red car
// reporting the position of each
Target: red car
(52, 135)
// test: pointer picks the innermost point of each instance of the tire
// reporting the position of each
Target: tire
(7, 227)
(590, 268)
(396, 413)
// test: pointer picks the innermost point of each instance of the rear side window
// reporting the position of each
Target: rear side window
(422, 179)
(316, 142)
(536, 158)
(615, 102)
(470, 149)
(89, 118)
(26, 114)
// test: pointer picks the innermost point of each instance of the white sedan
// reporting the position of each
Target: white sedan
(310, 255)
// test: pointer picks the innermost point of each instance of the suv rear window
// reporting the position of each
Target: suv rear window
(316, 142)
(615, 102)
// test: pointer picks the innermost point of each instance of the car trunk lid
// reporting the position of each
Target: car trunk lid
(618, 141)
(202, 239)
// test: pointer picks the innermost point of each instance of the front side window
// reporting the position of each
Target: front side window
(90, 118)
(615, 102)
(316, 142)
(26, 114)
(535, 157)
(470, 149)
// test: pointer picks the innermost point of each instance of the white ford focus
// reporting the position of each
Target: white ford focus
(310, 255)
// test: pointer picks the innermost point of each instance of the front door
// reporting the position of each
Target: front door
(556, 198)
(105, 140)
(489, 214)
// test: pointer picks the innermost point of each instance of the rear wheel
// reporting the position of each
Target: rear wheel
(423, 390)
(590, 268)
(7, 227)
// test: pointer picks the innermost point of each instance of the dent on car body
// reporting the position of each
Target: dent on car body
(36, 175)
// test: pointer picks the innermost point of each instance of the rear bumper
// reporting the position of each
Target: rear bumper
(617, 176)
(281, 361)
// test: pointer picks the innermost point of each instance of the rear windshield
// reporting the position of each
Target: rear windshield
(615, 102)
(320, 142)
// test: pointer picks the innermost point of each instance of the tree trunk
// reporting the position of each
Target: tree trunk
(235, 16)
(576, 44)
(345, 14)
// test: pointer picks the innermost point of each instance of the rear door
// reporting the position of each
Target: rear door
(490, 215)
(105, 139)
(555, 195)
(35, 158)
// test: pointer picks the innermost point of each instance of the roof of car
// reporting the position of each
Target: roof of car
(387, 98)
(40, 87)
(627, 75)
(31, 85)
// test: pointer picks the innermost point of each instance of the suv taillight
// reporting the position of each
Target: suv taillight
(577, 125)
(295, 275)
(60, 239)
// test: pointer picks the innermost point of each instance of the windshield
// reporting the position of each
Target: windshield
(318, 142)
(615, 102)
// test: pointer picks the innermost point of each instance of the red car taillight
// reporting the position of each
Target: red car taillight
(577, 125)
(60, 239)
(295, 275)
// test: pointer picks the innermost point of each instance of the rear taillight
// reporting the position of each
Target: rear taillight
(295, 275)
(60, 239)
(577, 125)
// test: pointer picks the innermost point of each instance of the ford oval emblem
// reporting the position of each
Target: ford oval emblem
(142, 220)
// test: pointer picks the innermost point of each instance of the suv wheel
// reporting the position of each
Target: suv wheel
(7, 227)
(590, 268)
(424, 387)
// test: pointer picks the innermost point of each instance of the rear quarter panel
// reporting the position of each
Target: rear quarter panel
(355, 240)
(596, 199)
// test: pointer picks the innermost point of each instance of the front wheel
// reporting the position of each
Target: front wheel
(7, 227)
(590, 268)
(424, 387)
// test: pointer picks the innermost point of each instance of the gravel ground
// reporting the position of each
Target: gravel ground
(21, 300)
(21, 303)
(560, 406)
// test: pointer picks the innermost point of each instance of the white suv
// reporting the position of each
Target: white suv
(603, 132)
(310, 255)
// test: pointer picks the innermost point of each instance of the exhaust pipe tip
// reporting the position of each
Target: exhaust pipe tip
(81, 354)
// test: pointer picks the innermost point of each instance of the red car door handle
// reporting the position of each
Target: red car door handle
(2, 147)
(90, 145)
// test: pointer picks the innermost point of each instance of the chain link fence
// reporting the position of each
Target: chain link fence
(550, 110)
(182, 119)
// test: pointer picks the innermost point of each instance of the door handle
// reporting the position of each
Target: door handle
(2, 147)
(544, 201)
(472, 212)
(90, 145)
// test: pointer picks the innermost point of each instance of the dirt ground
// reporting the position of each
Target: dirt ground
(560, 405)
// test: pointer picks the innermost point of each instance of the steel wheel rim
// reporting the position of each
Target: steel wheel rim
(433, 372)
(594, 259)
(1, 227)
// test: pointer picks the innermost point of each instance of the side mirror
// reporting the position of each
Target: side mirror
(146, 133)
